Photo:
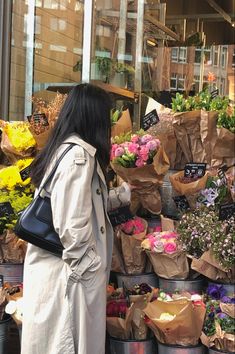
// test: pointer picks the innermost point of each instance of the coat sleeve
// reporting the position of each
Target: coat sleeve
(71, 201)
(119, 196)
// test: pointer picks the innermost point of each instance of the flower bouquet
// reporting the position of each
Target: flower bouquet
(131, 233)
(166, 255)
(15, 195)
(17, 141)
(44, 117)
(176, 322)
(223, 151)
(121, 122)
(188, 185)
(140, 160)
(125, 316)
(219, 323)
(209, 242)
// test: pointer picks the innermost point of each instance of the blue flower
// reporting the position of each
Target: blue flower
(216, 291)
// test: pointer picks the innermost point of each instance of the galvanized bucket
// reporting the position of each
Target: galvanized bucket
(177, 349)
(230, 288)
(217, 351)
(12, 272)
(121, 346)
(4, 334)
(192, 285)
(131, 280)
(167, 193)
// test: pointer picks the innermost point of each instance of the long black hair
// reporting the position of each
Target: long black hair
(86, 112)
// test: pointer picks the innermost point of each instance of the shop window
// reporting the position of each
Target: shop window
(223, 56)
(174, 54)
(196, 83)
(222, 87)
(207, 56)
(58, 24)
(173, 81)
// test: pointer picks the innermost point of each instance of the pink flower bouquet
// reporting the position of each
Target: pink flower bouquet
(167, 258)
(140, 160)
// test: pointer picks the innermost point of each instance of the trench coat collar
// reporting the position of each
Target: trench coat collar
(75, 139)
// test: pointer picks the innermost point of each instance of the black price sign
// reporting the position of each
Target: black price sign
(150, 119)
(214, 93)
(181, 202)
(194, 169)
(6, 209)
(25, 173)
(38, 118)
(226, 211)
(120, 215)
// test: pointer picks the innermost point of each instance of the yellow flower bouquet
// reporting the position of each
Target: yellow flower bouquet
(17, 140)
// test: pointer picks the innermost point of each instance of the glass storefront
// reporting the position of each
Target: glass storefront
(125, 48)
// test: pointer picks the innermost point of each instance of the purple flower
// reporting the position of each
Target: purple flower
(216, 291)
(222, 315)
(226, 300)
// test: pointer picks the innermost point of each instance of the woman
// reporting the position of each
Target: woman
(65, 299)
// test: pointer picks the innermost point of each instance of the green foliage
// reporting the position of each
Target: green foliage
(226, 121)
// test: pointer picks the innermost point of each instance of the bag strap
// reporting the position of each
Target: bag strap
(49, 177)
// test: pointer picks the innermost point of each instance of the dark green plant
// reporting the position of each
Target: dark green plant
(226, 121)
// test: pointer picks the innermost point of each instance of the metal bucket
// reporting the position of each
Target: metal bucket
(4, 334)
(230, 288)
(121, 346)
(217, 351)
(12, 272)
(131, 280)
(177, 349)
(167, 193)
(192, 285)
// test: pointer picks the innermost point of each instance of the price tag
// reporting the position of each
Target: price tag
(6, 209)
(25, 173)
(39, 118)
(150, 119)
(181, 202)
(226, 211)
(120, 215)
(214, 93)
(194, 169)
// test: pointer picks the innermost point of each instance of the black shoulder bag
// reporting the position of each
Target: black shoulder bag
(35, 224)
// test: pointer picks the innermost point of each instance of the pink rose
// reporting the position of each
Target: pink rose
(135, 138)
(157, 229)
(139, 162)
(158, 246)
(143, 153)
(145, 138)
(170, 247)
(113, 149)
(151, 145)
(119, 152)
(133, 148)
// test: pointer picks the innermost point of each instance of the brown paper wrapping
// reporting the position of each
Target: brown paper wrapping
(188, 188)
(146, 179)
(169, 144)
(139, 327)
(148, 197)
(229, 309)
(184, 329)
(220, 340)
(223, 152)
(12, 154)
(208, 132)
(12, 249)
(117, 259)
(169, 266)
(187, 130)
(208, 266)
(133, 255)
(123, 125)
(167, 224)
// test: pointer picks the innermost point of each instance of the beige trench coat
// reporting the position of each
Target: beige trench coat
(65, 299)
